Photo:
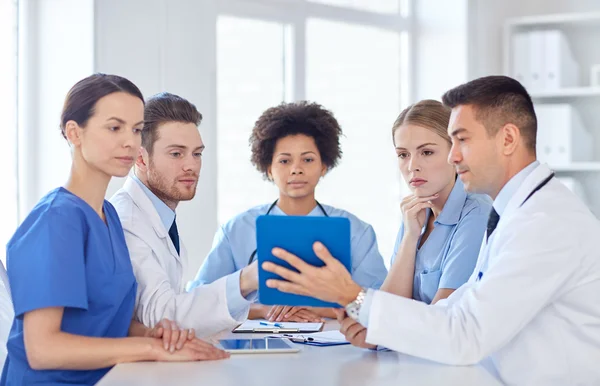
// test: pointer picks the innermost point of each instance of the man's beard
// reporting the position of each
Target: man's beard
(168, 193)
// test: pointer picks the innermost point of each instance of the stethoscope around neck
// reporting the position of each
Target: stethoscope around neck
(269, 212)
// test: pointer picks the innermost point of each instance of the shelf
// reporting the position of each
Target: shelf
(571, 92)
(592, 18)
(577, 167)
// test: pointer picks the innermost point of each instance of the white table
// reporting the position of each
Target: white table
(336, 365)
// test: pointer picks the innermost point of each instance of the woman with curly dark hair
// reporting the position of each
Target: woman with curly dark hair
(293, 145)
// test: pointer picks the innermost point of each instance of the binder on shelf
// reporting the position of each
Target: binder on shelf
(595, 75)
(520, 58)
(543, 61)
(561, 69)
(562, 138)
(536, 79)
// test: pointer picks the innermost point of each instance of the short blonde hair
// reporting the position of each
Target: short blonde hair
(429, 114)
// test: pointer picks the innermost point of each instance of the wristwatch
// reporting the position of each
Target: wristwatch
(353, 308)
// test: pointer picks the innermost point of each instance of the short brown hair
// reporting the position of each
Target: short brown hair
(310, 119)
(497, 100)
(429, 114)
(162, 108)
(82, 97)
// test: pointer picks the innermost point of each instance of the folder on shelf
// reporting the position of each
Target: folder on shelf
(537, 67)
(561, 69)
(562, 138)
(520, 58)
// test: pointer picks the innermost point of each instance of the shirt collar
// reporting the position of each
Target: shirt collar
(510, 188)
(315, 212)
(453, 207)
(167, 216)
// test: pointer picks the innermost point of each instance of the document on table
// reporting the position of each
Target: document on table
(263, 326)
(325, 338)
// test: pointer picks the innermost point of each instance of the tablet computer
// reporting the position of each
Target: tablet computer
(258, 346)
(297, 234)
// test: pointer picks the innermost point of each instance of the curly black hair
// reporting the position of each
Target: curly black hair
(310, 119)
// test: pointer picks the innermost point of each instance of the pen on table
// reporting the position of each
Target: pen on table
(271, 324)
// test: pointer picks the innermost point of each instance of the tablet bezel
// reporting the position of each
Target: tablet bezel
(292, 348)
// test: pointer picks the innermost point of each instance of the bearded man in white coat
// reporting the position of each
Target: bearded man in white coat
(165, 173)
(532, 305)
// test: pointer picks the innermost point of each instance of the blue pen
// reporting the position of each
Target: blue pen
(271, 324)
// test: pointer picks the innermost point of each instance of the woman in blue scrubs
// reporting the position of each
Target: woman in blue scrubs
(443, 226)
(294, 145)
(72, 283)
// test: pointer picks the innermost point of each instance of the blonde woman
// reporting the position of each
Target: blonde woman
(443, 226)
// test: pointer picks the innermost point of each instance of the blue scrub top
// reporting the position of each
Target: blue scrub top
(448, 256)
(64, 255)
(235, 241)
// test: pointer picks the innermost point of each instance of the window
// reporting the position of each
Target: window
(382, 6)
(250, 79)
(360, 82)
(351, 57)
(8, 112)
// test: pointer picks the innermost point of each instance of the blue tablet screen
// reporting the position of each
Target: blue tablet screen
(297, 234)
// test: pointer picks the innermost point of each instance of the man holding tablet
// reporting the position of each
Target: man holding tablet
(297, 234)
(533, 302)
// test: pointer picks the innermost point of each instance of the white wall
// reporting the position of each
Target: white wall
(165, 45)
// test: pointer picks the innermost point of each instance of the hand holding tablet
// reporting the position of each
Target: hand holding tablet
(297, 234)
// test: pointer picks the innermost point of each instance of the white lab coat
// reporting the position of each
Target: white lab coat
(536, 310)
(159, 269)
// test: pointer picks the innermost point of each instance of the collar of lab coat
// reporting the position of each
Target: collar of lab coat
(509, 189)
(142, 201)
(166, 214)
(539, 174)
